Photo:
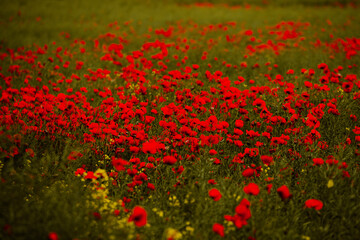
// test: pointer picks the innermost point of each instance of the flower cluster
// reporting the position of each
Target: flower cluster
(166, 112)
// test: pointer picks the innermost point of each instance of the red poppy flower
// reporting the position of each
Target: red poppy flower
(312, 121)
(238, 131)
(314, 203)
(252, 152)
(97, 215)
(290, 71)
(318, 161)
(218, 229)
(268, 188)
(119, 163)
(53, 236)
(212, 182)
(284, 192)
(259, 102)
(248, 32)
(347, 86)
(134, 149)
(170, 160)
(30, 152)
(215, 194)
(248, 172)
(239, 123)
(151, 186)
(116, 212)
(79, 171)
(308, 84)
(353, 117)
(252, 134)
(242, 214)
(212, 152)
(138, 216)
(356, 130)
(195, 66)
(90, 175)
(74, 155)
(152, 147)
(252, 189)
(267, 160)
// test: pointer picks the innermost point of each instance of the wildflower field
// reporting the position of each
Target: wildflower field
(179, 119)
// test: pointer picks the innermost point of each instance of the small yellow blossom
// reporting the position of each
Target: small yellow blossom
(173, 233)
(330, 183)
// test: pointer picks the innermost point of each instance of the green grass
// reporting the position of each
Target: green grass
(40, 194)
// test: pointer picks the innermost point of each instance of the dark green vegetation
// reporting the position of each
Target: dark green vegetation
(110, 110)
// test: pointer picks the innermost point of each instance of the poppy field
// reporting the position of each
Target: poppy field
(179, 119)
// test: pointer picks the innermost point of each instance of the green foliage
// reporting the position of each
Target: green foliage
(41, 194)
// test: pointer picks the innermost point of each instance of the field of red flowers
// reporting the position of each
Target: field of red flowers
(210, 121)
